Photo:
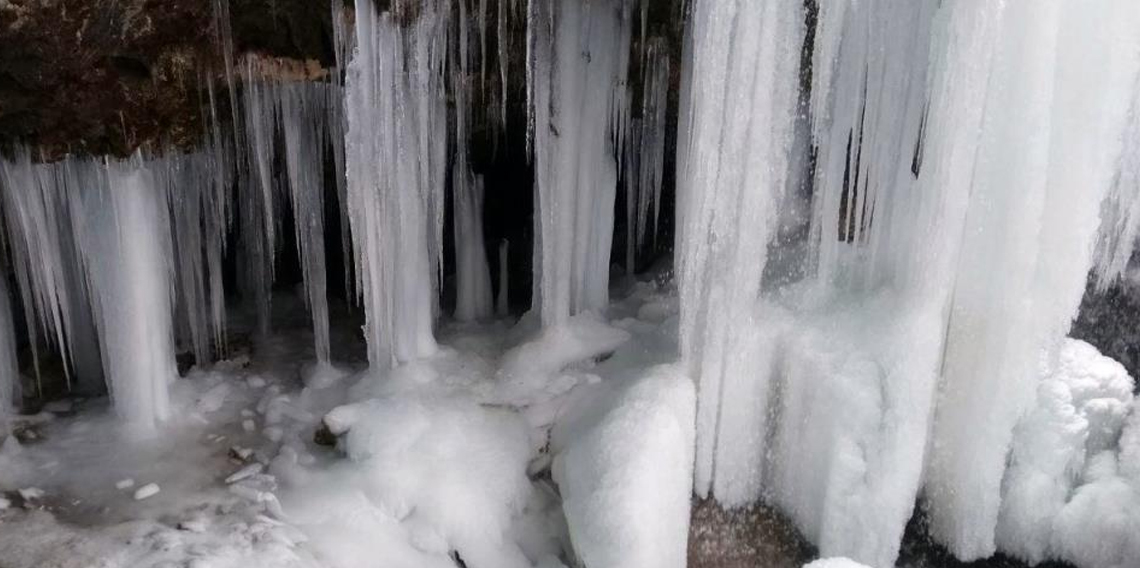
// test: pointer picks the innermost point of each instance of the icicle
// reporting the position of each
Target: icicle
(343, 43)
(578, 83)
(632, 163)
(502, 42)
(32, 206)
(473, 299)
(396, 114)
(502, 301)
(483, 48)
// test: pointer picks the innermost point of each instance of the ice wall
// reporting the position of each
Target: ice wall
(577, 64)
(1056, 105)
(396, 147)
(953, 143)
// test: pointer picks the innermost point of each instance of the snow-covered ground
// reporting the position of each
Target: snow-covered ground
(507, 447)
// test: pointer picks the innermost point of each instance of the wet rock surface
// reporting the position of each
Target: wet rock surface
(109, 77)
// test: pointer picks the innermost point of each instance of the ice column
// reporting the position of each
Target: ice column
(579, 58)
(123, 233)
(473, 299)
(396, 162)
(738, 104)
(9, 367)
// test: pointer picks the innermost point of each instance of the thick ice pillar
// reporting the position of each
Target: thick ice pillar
(396, 167)
(738, 106)
(579, 61)
(123, 233)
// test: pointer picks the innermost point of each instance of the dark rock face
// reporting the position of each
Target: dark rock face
(1110, 321)
(111, 76)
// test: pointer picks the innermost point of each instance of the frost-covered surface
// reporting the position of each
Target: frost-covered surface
(1064, 495)
(434, 458)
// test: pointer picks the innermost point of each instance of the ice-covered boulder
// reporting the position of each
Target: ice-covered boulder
(624, 468)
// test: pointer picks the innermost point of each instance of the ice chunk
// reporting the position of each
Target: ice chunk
(1082, 401)
(448, 464)
(146, 491)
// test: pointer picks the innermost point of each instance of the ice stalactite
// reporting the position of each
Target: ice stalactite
(473, 299)
(38, 238)
(502, 44)
(304, 119)
(396, 163)
(343, 42)
(576, 76)
(1057, 102)
(199, 212)
(737, 113)
(645, 153)
(122, 231)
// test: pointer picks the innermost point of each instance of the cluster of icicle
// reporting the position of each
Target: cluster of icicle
(970, 159)
(115, 296)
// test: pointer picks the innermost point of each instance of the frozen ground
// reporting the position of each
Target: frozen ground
(506, 448)
(447, 457)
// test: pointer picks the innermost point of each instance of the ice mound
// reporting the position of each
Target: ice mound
(624, 469)
(451, 470)
(529, 373)
(1062, 495)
